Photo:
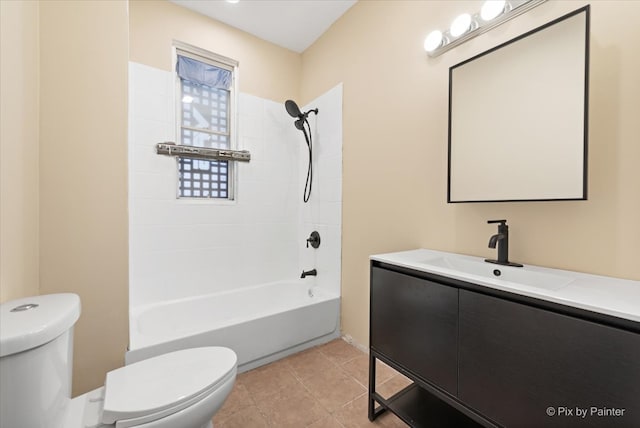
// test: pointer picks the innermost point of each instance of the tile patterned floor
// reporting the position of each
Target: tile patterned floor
(322, 387)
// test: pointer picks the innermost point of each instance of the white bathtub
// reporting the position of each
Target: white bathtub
(260, 323)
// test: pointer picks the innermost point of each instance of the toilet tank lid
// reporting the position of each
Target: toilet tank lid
(33, 321)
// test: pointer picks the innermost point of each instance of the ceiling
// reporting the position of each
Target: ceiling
(292, 24)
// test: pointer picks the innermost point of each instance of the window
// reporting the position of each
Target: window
(206, 102)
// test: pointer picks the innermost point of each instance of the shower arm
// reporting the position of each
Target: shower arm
(313, 110)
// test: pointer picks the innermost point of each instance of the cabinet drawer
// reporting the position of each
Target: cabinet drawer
(415, 323)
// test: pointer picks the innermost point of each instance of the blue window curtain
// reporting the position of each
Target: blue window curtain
(203, 74)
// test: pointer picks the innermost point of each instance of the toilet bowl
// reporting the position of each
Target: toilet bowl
(179, 389)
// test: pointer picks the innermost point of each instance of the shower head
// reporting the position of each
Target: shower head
(293, 109)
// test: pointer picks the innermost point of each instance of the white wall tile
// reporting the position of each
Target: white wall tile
(153, 186)
(255, 146)
(250, 125)
(329, 190)
(145, 159)
(152, 102)
(148, 133)
(251, 106)
(331, 213)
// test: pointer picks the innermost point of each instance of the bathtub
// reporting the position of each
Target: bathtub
(260, 323)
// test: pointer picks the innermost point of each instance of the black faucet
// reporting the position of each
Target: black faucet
(501, 239)
(306, 273)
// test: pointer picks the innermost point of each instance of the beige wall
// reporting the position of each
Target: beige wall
(18, 150)
(83, 175)
(395, 108)
(265, 70)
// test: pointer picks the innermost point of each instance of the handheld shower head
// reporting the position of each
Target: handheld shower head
(301, 119)
(293, 109)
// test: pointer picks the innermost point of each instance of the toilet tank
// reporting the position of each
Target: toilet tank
(36, 360)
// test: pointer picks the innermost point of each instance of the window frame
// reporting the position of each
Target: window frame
(202, 55)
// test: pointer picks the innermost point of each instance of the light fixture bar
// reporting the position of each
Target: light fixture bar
(513, 8)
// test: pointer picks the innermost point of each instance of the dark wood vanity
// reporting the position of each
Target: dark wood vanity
(479, 356)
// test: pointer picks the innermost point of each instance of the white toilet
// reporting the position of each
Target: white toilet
(181, 389)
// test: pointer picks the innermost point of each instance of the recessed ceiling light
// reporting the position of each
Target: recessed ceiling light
(233, 1)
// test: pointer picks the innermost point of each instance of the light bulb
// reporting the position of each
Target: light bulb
(433, 41)
(460, 25)
(491, 9)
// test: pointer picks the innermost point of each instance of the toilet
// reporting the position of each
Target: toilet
(179, 389)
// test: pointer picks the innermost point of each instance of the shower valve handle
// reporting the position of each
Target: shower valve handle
(313, 239)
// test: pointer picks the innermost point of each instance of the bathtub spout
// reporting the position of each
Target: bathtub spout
(306, 273)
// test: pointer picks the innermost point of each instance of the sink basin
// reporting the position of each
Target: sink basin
(499, 273)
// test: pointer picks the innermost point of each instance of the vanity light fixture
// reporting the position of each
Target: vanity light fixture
(491, 9)
(467, 26)
(460, 25)
(434, 40)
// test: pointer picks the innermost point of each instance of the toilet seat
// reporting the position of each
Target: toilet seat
(153, 389)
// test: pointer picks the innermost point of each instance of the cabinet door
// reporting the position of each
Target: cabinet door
(528, 367)
(415, 323)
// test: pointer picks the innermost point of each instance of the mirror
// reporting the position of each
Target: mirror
(518, 117)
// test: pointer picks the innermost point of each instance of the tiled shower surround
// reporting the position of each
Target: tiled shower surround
(182, 248)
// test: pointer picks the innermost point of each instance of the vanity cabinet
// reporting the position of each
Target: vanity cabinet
(482, 357)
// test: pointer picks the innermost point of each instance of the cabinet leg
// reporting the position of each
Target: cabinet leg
(372, 386)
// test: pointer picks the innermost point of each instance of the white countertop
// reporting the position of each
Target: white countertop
(606, 295)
